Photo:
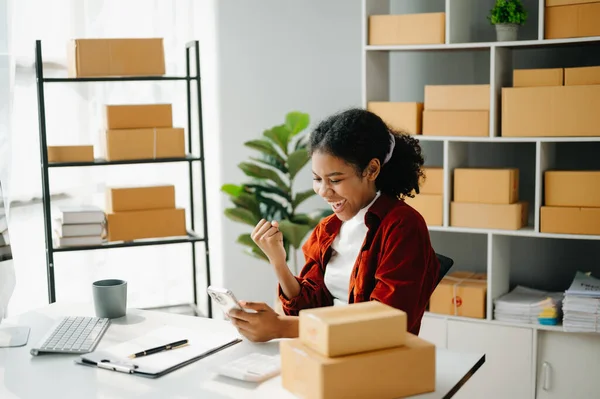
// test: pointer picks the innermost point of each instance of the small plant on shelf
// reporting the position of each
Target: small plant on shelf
(270, 195)
(507, 16)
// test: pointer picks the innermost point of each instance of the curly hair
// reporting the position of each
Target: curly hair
(357, 136)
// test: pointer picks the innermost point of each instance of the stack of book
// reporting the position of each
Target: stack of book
(79, 225)
(528, 306)
(582, 304)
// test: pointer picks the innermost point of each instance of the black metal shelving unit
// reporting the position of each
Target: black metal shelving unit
(192, 237)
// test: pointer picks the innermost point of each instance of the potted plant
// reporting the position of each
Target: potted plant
(507, 16)
(270, 194)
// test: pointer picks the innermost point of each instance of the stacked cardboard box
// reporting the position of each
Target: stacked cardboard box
(357, 351)
(430, 200)
(79, 225)
(142, 131)
(571, 202)
(115, 57)
(402, 116)
(460, 293)
(143, 212)
(457, 110)
(487, 198)
(426, 28)
(552, 102)
(571, 18)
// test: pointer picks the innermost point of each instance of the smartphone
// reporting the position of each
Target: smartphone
(225, 298)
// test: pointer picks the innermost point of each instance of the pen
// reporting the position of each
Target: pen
(173, 345)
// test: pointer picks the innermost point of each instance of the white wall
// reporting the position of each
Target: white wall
(274, 57)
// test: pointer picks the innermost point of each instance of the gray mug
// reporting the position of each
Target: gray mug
(110, 298)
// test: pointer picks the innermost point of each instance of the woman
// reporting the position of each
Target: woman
(374, 247)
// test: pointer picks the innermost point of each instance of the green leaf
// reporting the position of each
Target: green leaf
(296, 122)
(296, 161)
(301, 197)
(232, 189)
(294, 232)
(253, 249)
(301, 143)
(241, 215)
(266, 148)
(270, 189)
(271, 161)
(257, 253)
(280, 135)
(249, 202)
(256, 171)
(272, 209)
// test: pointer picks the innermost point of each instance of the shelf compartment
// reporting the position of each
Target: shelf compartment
(103, 162)
(191, 238)
(117, 79)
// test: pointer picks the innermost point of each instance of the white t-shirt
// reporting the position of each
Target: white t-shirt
(346, 247)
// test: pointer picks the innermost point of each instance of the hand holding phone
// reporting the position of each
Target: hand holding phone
(224, 298)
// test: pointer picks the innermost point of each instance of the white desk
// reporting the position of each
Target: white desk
(56, 376)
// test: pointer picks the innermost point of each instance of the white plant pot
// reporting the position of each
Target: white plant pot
(507, 32)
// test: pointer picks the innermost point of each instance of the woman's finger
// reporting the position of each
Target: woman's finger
(257, 228)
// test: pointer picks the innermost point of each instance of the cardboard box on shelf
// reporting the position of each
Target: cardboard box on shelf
(427, 28)
(386, 373)
(579, 188)
(119, 199)
(582, 76)
(489, 216)
(460, 293)
(457, 97)
(553, 3)
(569, 220)
(433, 181)
(70, 153)
(116, 57)
(135, 116)
(155, 223)
(551, 111)
(403, 116)
(359, 327)
(486, 185)
(538, 77)
(456, 123)
(576, 20)
(430, 206)
(128, 144)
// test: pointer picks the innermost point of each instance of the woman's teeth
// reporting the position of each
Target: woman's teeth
(337, 205)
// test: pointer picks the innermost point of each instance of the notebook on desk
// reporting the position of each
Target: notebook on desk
(201, 344)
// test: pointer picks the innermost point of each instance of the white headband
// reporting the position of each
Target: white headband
(391, 150)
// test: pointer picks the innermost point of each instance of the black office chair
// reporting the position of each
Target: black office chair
(445, 265)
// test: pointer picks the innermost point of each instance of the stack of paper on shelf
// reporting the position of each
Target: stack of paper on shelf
(362, 350)
(529, 306)
(5, 250)
(582, 304)
(79, 225)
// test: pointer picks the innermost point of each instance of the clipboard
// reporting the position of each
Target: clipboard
(201, 344)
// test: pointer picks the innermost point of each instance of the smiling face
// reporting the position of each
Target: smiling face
(338, 183)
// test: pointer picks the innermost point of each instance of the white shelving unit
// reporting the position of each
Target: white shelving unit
(522, 361)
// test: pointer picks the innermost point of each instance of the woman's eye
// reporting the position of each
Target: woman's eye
(335, 181)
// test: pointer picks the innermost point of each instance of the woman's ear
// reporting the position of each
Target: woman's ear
(372, 170)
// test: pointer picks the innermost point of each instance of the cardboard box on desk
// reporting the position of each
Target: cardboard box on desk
(404, 116)
(430, 206)
(120, 199)
(115, 57)
(551, 111)
(386, 373)
(156, 223)
(573, 20)
(425, 28)
(576, 188)
(569, 220)
(460, 294)
(486, 185)
(129, 144)
(360, 327)
(489, 216)
(71, 153)
(135, 116)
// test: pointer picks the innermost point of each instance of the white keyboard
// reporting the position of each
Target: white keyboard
(254, 367)
(72, 334)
